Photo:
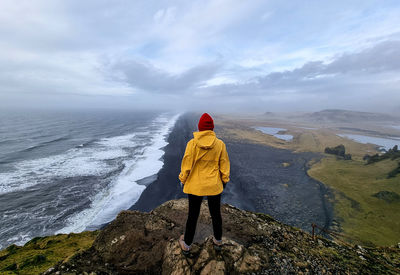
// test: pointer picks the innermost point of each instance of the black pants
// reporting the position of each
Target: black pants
(214, 205)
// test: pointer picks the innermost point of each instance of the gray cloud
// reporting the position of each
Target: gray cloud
(384, 57)
(345, 72)
(153, 80)
(365, 79)
(368, 80)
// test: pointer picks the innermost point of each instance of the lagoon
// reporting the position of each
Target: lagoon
(384, 143)
(274, 132)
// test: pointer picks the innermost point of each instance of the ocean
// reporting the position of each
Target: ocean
(63, 172)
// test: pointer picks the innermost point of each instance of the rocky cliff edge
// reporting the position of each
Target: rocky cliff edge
(146, 243)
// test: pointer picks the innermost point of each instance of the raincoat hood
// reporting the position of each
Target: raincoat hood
(205, 165)
(205, 139)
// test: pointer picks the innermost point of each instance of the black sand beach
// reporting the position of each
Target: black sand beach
(261, 183)
(259, 180)
(166, 186)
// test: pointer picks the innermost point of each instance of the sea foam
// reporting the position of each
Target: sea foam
(124, 191)
(81, 161)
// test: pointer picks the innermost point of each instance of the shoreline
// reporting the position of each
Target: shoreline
(166, 185)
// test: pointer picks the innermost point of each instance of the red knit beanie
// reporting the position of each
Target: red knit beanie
(206, 122)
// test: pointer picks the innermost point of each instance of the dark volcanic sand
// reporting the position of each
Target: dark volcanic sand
(166, 187)
(257, 183)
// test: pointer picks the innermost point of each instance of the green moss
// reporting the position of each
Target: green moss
(40, 253)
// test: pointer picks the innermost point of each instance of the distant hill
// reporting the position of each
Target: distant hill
(336, 115)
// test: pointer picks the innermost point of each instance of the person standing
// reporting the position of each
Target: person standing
(205, 171)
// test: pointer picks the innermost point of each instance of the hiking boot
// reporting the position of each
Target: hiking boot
(217, 244)
(184, 247)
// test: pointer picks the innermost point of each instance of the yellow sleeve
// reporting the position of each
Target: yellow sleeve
(187, 162)
(224, 164)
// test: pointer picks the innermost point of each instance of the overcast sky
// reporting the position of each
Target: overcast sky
(206, 55)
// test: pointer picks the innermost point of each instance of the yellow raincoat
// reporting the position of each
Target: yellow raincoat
(205, 165)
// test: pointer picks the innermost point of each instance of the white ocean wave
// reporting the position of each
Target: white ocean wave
(81, 161)
(124, 190)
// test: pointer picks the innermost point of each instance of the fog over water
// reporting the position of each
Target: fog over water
(231, 56)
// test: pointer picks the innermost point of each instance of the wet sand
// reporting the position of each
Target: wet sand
(259, 180)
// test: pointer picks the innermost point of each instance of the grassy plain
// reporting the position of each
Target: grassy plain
(41, 253)
(363, 218)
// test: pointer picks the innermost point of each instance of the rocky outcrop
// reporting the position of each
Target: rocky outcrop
(339, 151)
(146, 243)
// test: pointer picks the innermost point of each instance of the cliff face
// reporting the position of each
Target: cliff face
(146, 243)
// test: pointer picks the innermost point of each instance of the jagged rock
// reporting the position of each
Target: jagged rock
(147, 243)
(214, 267)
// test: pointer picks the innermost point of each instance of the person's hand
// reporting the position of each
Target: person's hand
(181, 185)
